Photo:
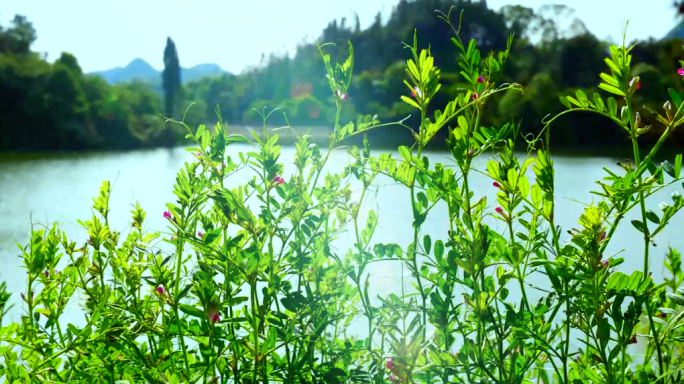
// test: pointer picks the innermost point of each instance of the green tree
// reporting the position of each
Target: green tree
(170, 76)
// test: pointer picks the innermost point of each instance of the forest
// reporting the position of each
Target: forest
(55, 106)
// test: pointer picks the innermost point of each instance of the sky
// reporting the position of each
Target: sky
(235, 33)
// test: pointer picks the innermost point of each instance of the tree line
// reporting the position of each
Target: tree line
(47, 106)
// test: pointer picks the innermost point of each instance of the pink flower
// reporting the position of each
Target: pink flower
(476, 96)
(200, 234)
(160, 289)
(497, 185)
(480, 79)
(392, 378)
(82, 248)
(167, 215)
(214, 316)
(606, 263)
(342, 96)
(499, 210)
(47, 273)
(390, 366)
(638, 85)
(680, 71)
(603, 235)
(416, 92)
(279, 180)
(633, 340)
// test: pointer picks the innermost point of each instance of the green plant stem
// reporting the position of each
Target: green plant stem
(179, 262)
(642, 204)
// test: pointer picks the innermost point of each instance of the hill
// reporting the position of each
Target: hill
(139, 69)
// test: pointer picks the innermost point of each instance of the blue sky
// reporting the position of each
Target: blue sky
(234, 33)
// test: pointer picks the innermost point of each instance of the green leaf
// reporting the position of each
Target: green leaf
(439, 250)
(609, 79)
(668, 168)
(190, 310)
(427, 244)
(409, 101)
(678, 166)
(612, 89)
(612, 106)
(675, 97)
(652, 217)
(639, 226)
(405, 153)
(565, 102)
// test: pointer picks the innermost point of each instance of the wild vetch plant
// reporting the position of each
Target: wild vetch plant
(253, 291)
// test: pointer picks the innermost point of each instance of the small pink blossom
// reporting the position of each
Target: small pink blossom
(480, 79)
(497, 185)
(416, 92)
(279, 180)
(200, 234)
(603, 235)
(476, 96)
(342, 96)
(160, 289)
(680, 71)
(390, 365)
(499, 210)
(633, 340)
(167, 215)
(214, 316)
(606, 263)
(392, 377)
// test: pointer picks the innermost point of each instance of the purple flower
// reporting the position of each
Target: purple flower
(160, 289)
(680, 71)
(279, 180)
(47, 273)
(606, 263)
(416, 92)
(200, 234)
(173, 238)
(167, 215)
(392, 378)
(213, 316)
(633, 340)
(390, 366)
(603, 235)
(480, 79)
(661, 315)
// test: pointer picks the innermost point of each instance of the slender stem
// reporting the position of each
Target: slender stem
(179, 262)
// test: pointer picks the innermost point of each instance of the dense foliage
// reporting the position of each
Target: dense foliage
(252, 289)
(44, 106)
(47, 106)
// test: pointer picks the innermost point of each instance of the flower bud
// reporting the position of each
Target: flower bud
(624, 114)
(637, 120)
(668, 110)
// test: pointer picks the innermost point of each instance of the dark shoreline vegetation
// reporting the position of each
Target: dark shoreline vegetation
(46, 107)
(245, 287)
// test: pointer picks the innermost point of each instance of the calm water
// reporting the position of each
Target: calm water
(60, 188)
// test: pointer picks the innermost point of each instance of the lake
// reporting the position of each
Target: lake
(60, 187)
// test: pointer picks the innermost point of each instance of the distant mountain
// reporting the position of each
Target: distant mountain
(677, 32)
(141, 70)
